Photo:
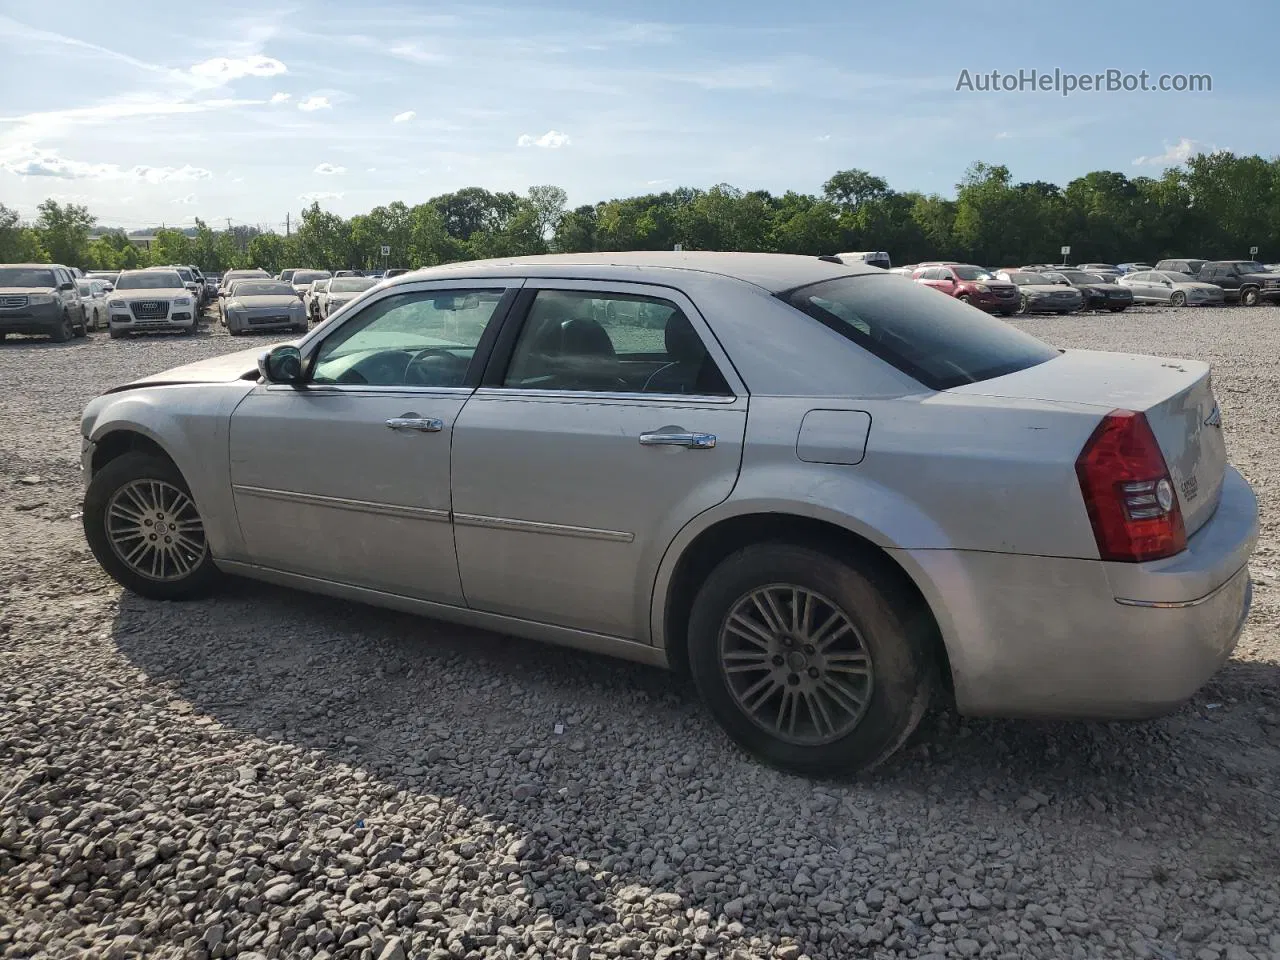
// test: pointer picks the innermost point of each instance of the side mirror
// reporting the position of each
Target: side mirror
(282, 364)
(222, 293)
(66, 285)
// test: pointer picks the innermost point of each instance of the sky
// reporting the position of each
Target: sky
(250, 112)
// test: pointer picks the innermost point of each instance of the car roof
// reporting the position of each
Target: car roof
(773, 272)
(28, 266)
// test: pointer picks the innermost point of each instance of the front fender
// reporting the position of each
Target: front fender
(190, 424)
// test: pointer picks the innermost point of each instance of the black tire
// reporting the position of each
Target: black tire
(300, 328)
(114, 334)
(890, 628)
(1024, 305)
(1120, 308)
(64, 331)
(1249, 297)
(125, 469)
(963, 298)
(83, 329)
(1177, 299)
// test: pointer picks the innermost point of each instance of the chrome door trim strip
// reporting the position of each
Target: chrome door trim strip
(602, 396)
(344, 503)
(532, 526)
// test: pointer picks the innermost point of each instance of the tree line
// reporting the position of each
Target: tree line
(1217, 206)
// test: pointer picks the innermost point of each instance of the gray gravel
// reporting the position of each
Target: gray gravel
(269, 774)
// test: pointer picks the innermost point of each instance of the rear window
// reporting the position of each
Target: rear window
(939, 341)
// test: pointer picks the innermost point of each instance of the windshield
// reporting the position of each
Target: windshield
(936, 340)
(155, 280)
(309, 276)
(1250, 266)
(1022, 278)
(264, 288)
(1053, 276)
(186, 275)
(350, 284)
(26, 277)
(1077, 276)
(243, 274)
(971, 273)
(287, 275)
(84, 288)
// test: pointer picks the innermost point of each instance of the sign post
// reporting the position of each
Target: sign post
(1253, 253)
(1065, 251)
(386, 252)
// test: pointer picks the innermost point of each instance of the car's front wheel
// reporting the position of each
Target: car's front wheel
(1250, 297)
(1178, 299)
(143, 527)
(1024, 305)
(63, 330)
(813, 664)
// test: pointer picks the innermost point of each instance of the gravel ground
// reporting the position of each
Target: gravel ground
(270, 774)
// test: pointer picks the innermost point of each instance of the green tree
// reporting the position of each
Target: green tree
(268, 251)
(849, 188)
(19, 243)
(63, 232)
(549, 204)
(172, 247)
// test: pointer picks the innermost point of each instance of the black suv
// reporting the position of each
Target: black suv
(40, 298)
(1245, 281)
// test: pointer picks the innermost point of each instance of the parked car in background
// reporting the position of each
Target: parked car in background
(1098, 293)
(106, 276)
(93, 295)
(342, 290)
(395, 272)
(287, 275)
(907, 271)
(873, 258)
(347, 273)
(1168, 286)
(189, 281)
(1133, 267)
(313, 298)
(231, 275)
(40, 299)
(971, 284)
(1190, 267)
(1242, 281)
(263, 305)
(1050, 533)
(304, 278)
(1098, 267)
(1038, 294)
(149, 300)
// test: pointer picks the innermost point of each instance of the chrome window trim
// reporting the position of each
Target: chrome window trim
(358, 389)
(601, 396)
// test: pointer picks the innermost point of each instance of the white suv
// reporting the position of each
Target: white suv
(150, 300)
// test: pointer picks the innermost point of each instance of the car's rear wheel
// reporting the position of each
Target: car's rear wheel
(963, 298)
(1250, 297)
(143, 527)
(812, 664)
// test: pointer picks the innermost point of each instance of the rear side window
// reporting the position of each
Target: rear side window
(938, 341)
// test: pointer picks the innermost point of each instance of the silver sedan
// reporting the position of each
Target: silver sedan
(1168, 286)
(827, 493)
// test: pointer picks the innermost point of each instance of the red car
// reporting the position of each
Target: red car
(971, 284)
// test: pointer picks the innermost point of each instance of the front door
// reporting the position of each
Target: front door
(608, 427)
(347, 477)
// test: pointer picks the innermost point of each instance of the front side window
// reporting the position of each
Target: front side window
(419, 339)
(577, 340)
(936, 340)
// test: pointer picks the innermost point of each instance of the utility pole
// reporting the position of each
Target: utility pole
(286, 224)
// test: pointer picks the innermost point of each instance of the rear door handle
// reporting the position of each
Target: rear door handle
(420, 424)
(695, 441)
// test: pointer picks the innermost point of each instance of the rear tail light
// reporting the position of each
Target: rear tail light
(1128, 491)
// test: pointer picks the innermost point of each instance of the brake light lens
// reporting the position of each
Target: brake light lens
(1128, 491)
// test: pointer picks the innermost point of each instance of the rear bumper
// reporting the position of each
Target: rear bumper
(1055, 637)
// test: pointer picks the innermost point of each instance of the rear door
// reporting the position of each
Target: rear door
(608, 419)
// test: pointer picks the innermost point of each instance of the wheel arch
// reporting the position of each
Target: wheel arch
(702, 551)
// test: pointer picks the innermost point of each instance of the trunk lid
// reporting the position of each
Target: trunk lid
(1175, 395)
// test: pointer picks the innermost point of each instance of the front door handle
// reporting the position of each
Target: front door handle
(695, 441)
(420, 424)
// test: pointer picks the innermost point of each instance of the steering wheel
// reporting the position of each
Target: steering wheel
(415, 373)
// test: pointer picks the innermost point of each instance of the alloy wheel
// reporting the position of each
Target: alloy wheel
(154, 529)
(795, 664)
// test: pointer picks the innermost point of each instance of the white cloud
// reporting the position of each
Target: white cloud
(1004, 135)
(28, 160)
(656, 183)
(189, 199)
(281, 97)
(1177, 153)
(315, 103)
(551, 140)
(34, 127)
(329, 169)
(415, 53)
(318, 195)
(372, 170)
(403, 117)
(223, 69)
